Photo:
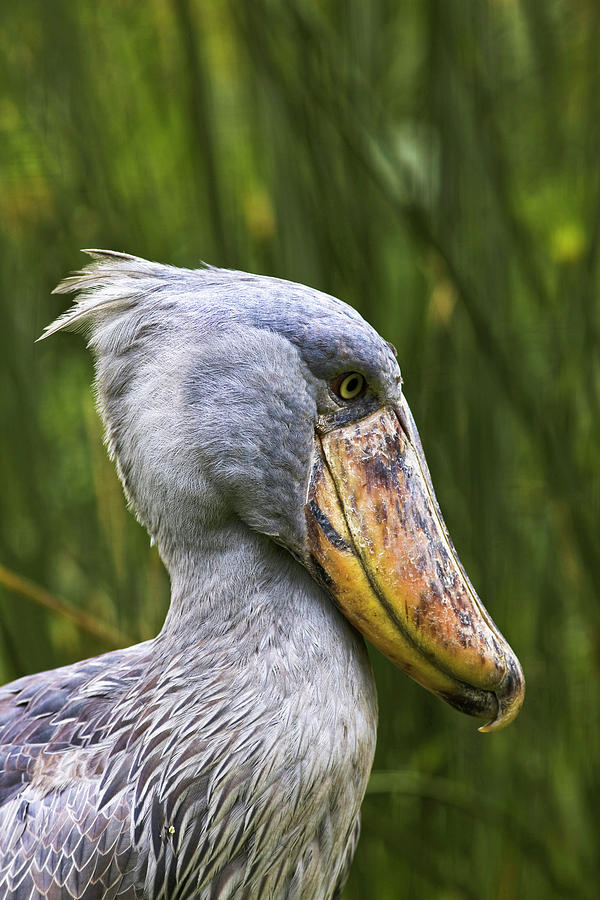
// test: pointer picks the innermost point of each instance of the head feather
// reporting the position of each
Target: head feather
(112, 280)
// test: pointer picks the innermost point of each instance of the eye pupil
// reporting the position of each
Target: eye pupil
(349, 386)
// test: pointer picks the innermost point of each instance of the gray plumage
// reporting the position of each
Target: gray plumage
(229, 756)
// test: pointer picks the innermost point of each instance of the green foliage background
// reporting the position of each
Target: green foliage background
(434, 163)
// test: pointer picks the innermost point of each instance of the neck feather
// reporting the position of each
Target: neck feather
(276, 685)
(243, 602)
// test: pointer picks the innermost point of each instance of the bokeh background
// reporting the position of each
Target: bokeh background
(436, 164)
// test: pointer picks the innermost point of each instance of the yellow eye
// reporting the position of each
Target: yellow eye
(348, 387)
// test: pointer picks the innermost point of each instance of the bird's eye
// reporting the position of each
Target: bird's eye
(350, 386)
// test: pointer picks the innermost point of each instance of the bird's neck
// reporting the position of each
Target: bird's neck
(278, 685)
(245, 603)
(228, 573)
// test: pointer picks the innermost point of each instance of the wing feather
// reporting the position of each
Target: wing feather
(55, 841)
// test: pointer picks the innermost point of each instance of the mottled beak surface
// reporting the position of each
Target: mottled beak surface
(377, 541)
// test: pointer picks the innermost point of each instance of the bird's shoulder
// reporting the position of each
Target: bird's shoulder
(57, 834)
(47, 715)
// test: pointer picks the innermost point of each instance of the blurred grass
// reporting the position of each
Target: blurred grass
(433, 163)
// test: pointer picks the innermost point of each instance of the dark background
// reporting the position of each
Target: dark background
(433, 162)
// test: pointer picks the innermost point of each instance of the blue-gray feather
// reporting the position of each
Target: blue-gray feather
(229, 756)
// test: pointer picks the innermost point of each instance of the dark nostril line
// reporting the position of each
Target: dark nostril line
(402, 420)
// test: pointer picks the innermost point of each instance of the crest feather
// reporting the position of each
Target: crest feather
(112, 279)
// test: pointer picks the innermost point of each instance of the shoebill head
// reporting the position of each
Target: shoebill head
(234, 396)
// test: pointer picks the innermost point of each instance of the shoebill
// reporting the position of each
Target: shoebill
(263, 439)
